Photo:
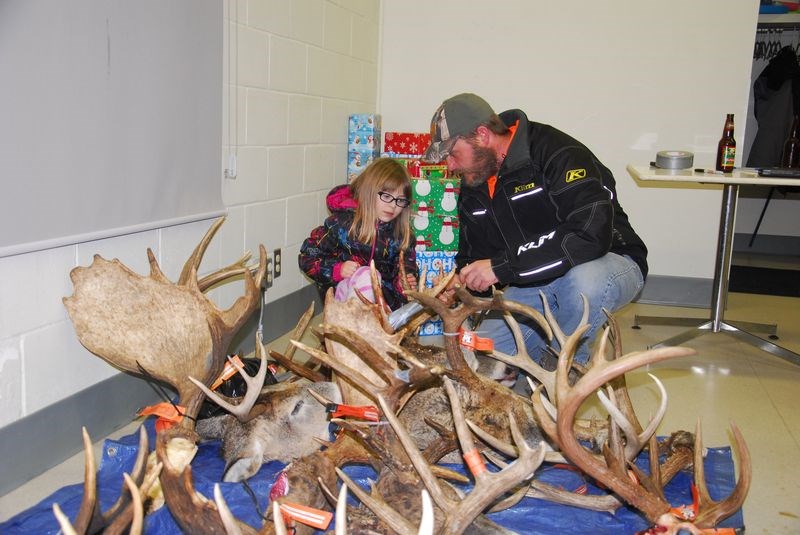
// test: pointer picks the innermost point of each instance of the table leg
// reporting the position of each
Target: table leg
(719, 295)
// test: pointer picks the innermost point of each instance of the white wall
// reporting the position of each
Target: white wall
(626, 78)
(303, 66)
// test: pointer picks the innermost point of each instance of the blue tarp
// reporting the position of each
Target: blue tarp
(530, 516)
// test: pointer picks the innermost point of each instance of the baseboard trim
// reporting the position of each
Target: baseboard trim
(40, 441)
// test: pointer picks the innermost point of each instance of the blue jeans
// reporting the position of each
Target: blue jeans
(609, 282)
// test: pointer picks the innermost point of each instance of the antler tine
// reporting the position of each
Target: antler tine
(225, 514)
(300, 328)
(63, 521)
(523, 360)
(365, 351)
(557, 332)
(254, 385)
(193, 262)
(298, 369)
(228, 272)
(352, 375)
(341, 512)
(636, 441)
(711, 512)
(427, 521)
(138, 508)
(277, 519)
(570, 400)
(376, 289)
(545, 491)
(487, 486)
(419, 462)
(88, 514)
(382, 510)
(137, 476)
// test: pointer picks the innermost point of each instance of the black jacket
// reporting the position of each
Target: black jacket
(554, 207)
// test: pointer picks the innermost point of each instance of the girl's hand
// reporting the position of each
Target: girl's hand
(348, 268)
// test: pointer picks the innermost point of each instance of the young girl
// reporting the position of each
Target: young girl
(369, 221)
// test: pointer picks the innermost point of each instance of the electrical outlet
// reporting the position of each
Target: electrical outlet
(268, 277)
(276, 262)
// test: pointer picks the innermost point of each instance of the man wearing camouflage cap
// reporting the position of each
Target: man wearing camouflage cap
(538, 213)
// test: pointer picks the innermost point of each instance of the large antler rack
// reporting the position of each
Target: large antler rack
(149, 325)
(644, 492)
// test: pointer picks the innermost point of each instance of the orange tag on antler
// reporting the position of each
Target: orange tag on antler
(309, 516)
(475, 462)
(364, 412)
(473, 341)
(168, 414)
(228, 371)
(688, 512)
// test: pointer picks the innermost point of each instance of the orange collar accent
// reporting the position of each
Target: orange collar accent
(492, 180)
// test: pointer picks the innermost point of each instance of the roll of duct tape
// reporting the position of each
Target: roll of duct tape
(674, 159)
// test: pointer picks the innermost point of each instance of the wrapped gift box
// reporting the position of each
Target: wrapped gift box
(357, 160)
(433, 261)
(405, 143)
(364, 125)
(435, 232)
(437, 196)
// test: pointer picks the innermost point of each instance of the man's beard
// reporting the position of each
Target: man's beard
(484, 165)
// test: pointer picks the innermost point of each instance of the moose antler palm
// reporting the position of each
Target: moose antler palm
(150, 325)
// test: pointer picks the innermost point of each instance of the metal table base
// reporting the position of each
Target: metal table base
(719, 298)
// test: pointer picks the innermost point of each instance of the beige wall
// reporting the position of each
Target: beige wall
(626, 78)
(302, 67)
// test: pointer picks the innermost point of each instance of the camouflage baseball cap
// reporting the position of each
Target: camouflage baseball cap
(458, 116)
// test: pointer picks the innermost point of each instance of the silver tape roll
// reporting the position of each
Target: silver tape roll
(674, 159)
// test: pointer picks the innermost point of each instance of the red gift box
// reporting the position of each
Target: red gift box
(406, 143)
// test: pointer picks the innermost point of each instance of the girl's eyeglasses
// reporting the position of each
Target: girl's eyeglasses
(402, 202)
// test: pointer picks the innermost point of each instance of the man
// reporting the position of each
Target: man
(538, 213)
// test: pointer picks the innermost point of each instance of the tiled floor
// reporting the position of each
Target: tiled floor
(725, 381)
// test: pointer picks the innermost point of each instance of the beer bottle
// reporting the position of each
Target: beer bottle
(726, 149)
(791, 149)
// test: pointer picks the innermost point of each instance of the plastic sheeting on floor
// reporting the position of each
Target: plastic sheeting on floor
(530, 516)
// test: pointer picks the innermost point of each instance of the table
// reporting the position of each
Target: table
(730, 188)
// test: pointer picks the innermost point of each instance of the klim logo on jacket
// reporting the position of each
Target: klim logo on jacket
(535, 244)
(575, 174)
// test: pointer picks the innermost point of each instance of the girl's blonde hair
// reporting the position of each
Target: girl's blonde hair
(382, 174)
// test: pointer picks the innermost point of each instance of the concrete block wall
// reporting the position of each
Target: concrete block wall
(293, 72)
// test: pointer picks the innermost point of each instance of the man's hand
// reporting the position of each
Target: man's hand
(478, 275)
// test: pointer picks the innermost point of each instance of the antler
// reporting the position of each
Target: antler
(128, 506)
(646, 496)
(171, 331)
(254, 385)
(459, 515)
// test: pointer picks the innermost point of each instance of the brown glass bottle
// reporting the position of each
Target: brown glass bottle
(791, 149)
(726, 149)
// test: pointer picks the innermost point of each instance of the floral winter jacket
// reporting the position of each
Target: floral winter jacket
(329, 245)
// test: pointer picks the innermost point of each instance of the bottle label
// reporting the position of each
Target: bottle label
(727, 157)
